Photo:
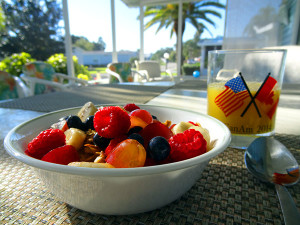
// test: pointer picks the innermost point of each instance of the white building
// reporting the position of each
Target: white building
(97, 58)
(208, 45)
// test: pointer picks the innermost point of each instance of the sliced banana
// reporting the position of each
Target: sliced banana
(87, 110)
(212, 145)
(75, 137)
(205, 134)
(91, 164)
(181, 127)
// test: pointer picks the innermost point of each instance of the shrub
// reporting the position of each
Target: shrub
(188, 69)
(83, 77)
(14, 64)
(59, 62)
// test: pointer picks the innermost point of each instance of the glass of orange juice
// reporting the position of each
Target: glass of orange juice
(243, 91)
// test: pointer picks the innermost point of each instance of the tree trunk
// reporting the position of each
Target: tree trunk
(175, 28)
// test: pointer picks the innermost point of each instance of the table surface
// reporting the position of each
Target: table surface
(225, 194)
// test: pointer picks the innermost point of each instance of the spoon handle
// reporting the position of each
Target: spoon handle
(289, 209)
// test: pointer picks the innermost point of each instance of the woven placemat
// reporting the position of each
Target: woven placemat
(78, 96)
(225, 194)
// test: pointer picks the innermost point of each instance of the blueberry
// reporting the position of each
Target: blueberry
(137, 137)
(75, 122)
(100, 141)
(89, 123)
(159, 148)
(134, 130)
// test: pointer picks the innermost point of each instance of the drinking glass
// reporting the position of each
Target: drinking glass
(243, 91)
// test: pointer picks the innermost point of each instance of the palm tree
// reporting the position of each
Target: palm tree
(195, 13)
(2, 25)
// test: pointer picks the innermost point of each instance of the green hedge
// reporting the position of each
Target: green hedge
(188, 69)
(14, 64)
(59, 62)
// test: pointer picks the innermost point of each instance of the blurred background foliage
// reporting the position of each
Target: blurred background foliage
(32, 27)
(59, 62)
(14, 64)
(36, 23)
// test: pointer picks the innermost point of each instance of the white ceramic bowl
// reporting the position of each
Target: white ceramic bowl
(118, 191)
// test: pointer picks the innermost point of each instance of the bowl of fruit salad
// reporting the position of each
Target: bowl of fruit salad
(118, 159)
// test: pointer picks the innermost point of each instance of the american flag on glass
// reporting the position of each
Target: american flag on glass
(232, 97)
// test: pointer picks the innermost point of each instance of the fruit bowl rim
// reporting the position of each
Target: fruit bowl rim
(116, 172)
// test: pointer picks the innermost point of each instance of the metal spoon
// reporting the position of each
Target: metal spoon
(270, 161)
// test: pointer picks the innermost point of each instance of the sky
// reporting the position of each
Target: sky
(92, 19)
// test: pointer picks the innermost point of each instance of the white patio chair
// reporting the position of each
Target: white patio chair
(12, 87)
(122, 72)
(41, 78)
(151, 69)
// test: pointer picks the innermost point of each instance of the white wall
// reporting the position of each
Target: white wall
(95, 58)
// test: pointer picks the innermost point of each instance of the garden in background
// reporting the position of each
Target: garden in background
(34, 33)
(14, 64)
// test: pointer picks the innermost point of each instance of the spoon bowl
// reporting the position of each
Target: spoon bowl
(270, 161)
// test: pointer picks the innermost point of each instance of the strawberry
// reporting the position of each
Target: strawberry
(45, 142)
(130, 107)
(111, 122)
(62, 155)
(187, 145)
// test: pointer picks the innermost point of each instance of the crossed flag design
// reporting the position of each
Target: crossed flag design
(236, 91)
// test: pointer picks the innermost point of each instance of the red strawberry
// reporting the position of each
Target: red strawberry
(187, 145)
(111, 122)
(62, 155)
(45, 142)
(130, 107)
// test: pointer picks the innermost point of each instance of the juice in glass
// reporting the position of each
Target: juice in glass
(243, 88)
(255, 120)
